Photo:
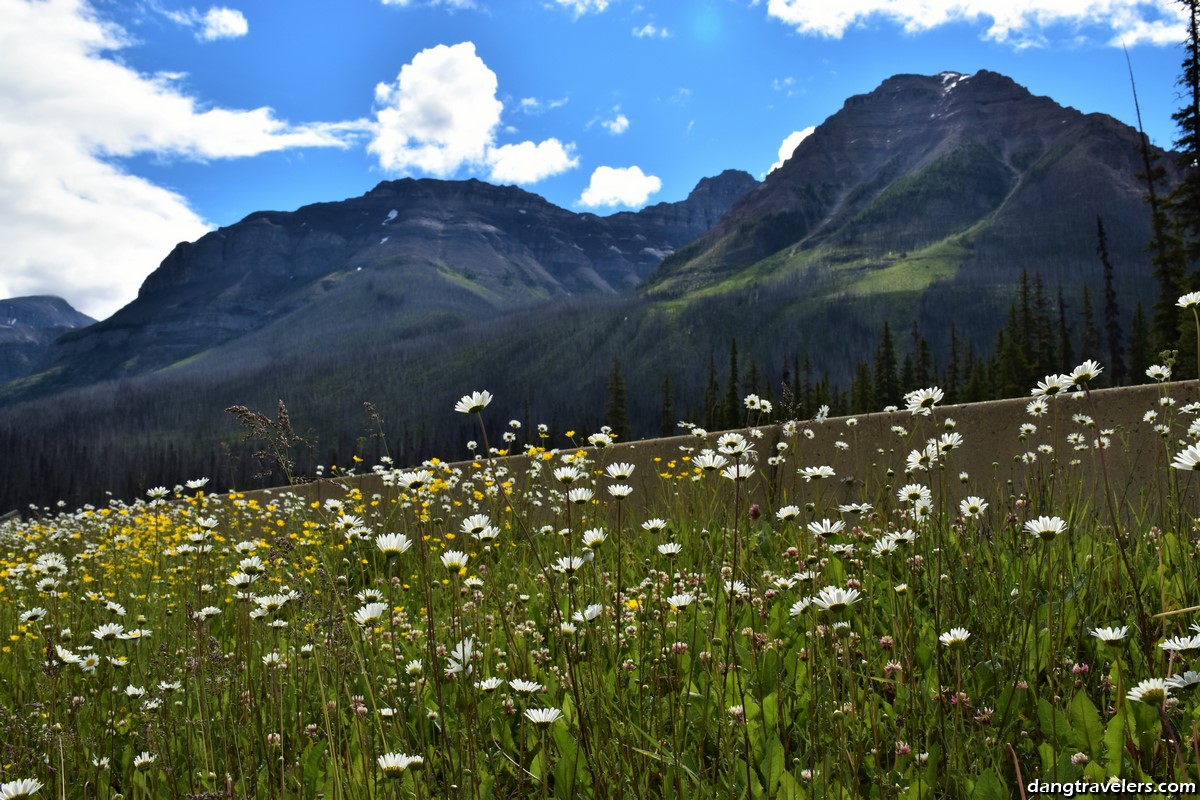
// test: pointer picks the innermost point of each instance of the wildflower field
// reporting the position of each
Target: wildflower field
(829, 608)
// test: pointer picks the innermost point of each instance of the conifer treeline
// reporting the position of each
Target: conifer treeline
(1044, 334)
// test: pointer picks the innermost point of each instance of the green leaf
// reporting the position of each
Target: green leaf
(770, 711)
(1085, 719)
(989, 787)
(1147, 725)
(1114, 745)
(312, 764)
(1046, 751)
(789, 789)
(1055, 725)
(772, 764)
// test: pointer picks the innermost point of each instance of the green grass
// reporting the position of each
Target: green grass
(724, 667)
(916, 271)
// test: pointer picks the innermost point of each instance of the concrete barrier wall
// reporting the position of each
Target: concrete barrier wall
(997, 458)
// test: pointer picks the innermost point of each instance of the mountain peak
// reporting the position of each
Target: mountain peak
(28, 326)
(917, 160)
(40, 312)
(730, 183)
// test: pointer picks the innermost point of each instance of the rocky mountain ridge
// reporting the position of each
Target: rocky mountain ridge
(442, 252)
(921, 159)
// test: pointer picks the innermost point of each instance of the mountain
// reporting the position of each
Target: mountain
(949, 207)
(960, 179)
(28, 326)
(436, 254)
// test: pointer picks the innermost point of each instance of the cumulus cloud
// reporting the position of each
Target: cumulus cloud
(651, 31)
(1015, 21)
(619, 186)
(73, 221)
(216, 23)
(532, 105)
(529, 163)
(617, 125)
(581, 7)
(790, 143)
(441, 115)
(223, 23)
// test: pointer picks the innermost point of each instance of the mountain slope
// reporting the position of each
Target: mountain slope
(975, 163)
(28, 326)
(432, 254)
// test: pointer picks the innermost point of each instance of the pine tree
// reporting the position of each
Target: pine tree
(1112, 315)
(1140, 356)
(1089, 343)
(1012, 371)
(1184, 200)
(807, 394)
(1023, 330)
(750, 382)
(923, 368)
(862, 394)
(978, 383)
(731, 410)
(887, 384)
(953, 377)
(1170, 267)
(616, 413)
(1065, 357)
(666, 416)
(711, 410)
(1043, 333)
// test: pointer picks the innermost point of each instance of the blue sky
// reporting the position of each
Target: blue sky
(129, 125)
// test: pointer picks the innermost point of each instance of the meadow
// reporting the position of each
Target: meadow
(879, 607)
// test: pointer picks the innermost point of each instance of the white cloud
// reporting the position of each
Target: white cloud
(216, 23)
(223, 23)
(625, 186)
(581, 7)
(532, 105)
(73, 222)
(529, 163)
(441, 116)
(1015, 21)
(651, 31)
(617, 125)
(789, 146)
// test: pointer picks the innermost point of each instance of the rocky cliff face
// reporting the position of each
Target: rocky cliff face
(443, 252)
